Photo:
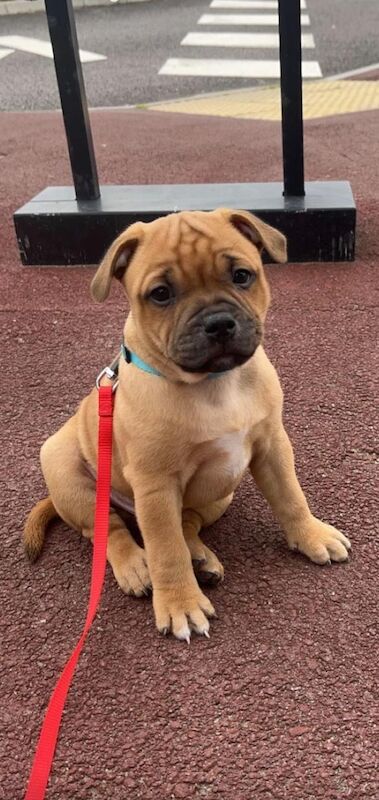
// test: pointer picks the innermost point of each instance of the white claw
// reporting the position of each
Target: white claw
(206, 634)
(188, 639)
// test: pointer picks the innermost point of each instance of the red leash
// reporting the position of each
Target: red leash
(39, 775)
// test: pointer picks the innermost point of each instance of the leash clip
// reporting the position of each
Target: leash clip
(109, 372)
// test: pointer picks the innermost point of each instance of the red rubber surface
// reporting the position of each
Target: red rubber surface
(281, 703)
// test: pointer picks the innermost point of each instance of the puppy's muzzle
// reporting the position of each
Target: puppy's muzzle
(216, 339)
(220, 326)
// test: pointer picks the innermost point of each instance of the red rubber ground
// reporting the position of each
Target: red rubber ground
(282, 702)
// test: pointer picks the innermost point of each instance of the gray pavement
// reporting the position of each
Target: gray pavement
(137, 39)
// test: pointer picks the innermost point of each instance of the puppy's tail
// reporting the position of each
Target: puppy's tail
(35, 527)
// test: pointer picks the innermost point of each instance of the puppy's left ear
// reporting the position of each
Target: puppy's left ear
(263, 236)
(115, 261)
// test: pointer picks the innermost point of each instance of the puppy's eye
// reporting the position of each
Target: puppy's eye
(243, 277)
(162, 295)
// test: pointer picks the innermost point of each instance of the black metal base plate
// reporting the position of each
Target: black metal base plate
(53, 228)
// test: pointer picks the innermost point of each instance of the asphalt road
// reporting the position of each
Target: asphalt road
(137, 40)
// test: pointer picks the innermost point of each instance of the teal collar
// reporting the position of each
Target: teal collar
(132, 358)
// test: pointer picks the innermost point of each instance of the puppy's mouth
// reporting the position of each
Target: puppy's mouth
(216, 339)
(221, 363)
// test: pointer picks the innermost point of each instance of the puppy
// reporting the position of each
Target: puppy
(197, 404)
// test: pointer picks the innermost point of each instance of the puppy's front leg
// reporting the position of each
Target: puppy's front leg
(177, 599)
(274, 471)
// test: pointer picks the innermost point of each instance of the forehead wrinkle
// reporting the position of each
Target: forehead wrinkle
(173, 231)
(186, 249)
(162, 236)
(203, 247)
(204, 251)
(197, 262)
(198, 224)
(186, 265)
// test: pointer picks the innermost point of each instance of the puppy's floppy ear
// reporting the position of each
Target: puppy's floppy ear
(115, 261)
(263, 236)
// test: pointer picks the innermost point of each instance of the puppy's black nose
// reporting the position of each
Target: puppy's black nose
(220, 325)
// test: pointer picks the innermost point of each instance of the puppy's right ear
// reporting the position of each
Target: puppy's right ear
(115, 262)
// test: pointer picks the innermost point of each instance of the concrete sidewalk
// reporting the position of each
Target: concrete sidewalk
(281, 703)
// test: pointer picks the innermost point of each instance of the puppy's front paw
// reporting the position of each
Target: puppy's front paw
(320, 542)
(131, 572)
(182, 609)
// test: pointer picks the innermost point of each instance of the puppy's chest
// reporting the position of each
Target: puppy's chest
(230, 453)
(216, 466)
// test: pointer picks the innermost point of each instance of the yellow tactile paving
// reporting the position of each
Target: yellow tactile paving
(320, 99)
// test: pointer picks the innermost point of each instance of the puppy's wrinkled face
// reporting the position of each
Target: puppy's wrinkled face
(204, 296)
(196, 286)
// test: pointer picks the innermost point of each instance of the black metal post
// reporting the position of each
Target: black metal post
(291, 93)
(54, 228)
(61, 21)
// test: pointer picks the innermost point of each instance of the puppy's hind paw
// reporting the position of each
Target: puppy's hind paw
(208, 569)
(132, 574)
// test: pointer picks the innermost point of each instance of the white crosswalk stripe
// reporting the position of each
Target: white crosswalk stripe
(261, 40)
(39, 47)
(245, 19)
(249, 4)
(265, 67)
(236, 68)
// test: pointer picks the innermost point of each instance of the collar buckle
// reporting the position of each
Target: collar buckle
(110, 372)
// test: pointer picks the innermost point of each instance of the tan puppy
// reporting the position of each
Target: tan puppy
(183, 439)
